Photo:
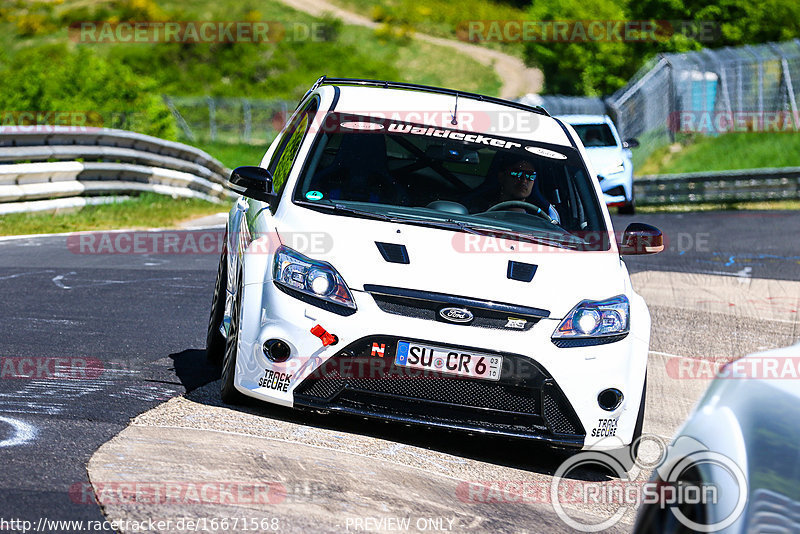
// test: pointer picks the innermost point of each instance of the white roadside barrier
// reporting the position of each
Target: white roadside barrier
(93, 163)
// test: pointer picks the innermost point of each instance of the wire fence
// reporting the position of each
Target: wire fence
(228, 120)
(567, 105)
(710, 92)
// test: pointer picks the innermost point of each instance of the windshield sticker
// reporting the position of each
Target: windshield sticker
(357, 125)
(451, 134)
(314, 195)
(539, 151)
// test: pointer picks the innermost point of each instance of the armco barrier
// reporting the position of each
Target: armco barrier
(62, 164)
(718, 186)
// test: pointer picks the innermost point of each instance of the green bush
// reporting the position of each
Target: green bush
(596, 68)
(100, 92)
(247, 70)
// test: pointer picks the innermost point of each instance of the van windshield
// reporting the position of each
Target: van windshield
(595, 135)
(362, 166)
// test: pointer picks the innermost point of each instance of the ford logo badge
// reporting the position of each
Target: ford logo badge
(456, 315)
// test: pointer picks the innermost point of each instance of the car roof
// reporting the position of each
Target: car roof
(492, 116)
(585, 119)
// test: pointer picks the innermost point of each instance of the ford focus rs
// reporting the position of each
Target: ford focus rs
(399, 254)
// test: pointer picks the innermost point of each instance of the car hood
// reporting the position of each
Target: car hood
(604, 158)
(442, 261)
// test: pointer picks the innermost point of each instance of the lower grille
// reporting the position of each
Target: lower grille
(525, 400)
(616, 191)
(566, 343)
(557, 410)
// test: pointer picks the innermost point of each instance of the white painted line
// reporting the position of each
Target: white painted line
(114, 231)
(23, 432)
(24, 274)
(57, 280)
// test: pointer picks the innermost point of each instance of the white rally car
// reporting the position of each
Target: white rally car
(396, 256)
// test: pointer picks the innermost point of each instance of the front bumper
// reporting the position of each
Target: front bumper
(525, 402)
(617, 188)
(545, 392)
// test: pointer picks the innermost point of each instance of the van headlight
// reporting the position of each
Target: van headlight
(619, 166)
(596, 318)
(314, 278)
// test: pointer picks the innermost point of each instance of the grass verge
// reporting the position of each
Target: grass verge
(730, 206)
(725, 152)
(235, 154)
(148, 210)
(441, 18)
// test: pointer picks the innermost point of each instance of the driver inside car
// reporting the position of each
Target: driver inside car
(516, 181)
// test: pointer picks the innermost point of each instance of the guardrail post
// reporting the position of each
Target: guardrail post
(179, 118)
(212, 118)
(247, 120)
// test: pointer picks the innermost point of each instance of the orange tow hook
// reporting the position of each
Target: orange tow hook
(326, 337)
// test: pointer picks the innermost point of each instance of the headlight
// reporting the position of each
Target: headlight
(315, 278)
(596, 318)
(619, 166)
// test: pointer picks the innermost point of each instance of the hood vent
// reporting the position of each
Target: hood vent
(393, 253)
(518, 270)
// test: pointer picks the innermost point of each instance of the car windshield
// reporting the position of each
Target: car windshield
(594, 135)
(448, 178)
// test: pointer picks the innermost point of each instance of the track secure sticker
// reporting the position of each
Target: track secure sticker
(605, 428)
(275, 380)
(313, 195)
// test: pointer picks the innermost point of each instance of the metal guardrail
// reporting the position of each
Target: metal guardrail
(718, 186)
(49, 167)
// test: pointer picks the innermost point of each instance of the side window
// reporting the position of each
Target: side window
(282, 161)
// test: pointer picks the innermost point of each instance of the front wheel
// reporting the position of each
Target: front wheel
(228, 391)
(215, 341)
(627, 455)
(629, 208)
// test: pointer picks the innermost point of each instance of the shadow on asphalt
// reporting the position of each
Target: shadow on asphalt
(192, 368)
(194, 371)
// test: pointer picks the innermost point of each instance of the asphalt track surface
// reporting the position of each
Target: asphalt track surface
(141, 320)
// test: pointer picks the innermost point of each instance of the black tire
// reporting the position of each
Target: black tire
(228, 392)
(637, 430)
(627, 455)
(629, 208)
(655, 517)
(215, 341)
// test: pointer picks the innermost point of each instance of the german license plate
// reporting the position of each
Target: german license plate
(449, 361)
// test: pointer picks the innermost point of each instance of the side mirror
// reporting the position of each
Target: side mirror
(630, 143)
(256, 181)
(640, 238)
